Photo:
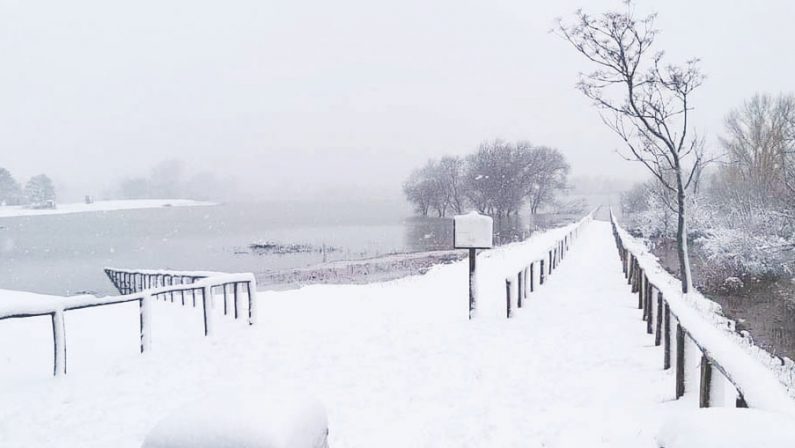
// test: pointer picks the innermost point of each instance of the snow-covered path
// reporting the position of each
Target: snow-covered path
(392, 362)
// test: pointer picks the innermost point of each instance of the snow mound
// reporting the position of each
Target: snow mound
(253, 419)
(727, 428)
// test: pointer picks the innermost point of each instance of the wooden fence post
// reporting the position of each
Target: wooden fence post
(640, 290)
(630, 269)
(541, 273)
(208, 315)
(532, 277)
(519, 290)
(58, 343)
(145, 325)
(252, 303)
(667, 338)
(508, 298)
(649, 306)
(680, 361)
(236, 302)
(659, 316)
(226, 300)
(705, 385)
(526, 281)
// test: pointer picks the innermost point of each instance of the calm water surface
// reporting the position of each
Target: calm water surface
(65, 254)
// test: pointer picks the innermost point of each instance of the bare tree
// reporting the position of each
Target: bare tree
(645, 102)
(760, 143)
(451, 174)
(418, 192)
(550, 171)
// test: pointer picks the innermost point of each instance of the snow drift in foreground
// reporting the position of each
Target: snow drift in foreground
(249, 418)
(99, 206)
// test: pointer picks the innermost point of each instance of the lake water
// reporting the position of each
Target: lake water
(65, 254)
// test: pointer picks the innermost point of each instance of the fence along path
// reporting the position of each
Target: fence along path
(152, 286)
(682, 323)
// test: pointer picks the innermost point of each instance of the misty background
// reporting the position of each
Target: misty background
(338, 100)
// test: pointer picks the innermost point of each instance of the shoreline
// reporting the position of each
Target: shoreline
(14, 211)
(357, 272)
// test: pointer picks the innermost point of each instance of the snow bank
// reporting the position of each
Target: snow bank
(750, 369)
(100, 206)
(244, 419)
(727, 428)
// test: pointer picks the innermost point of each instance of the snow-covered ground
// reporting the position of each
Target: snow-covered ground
(99, 206)
(395, 363)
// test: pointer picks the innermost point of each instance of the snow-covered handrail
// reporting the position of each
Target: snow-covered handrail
(747, 367)
(57, 306)
(525, 277)
(133, 280)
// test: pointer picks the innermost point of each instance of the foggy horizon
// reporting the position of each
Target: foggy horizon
(297, 100)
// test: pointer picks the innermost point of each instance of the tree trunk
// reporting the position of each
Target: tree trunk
(681, 236)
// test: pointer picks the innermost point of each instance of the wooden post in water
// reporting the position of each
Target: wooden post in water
(680, 361)
(705, 385)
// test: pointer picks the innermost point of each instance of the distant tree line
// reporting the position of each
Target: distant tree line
(169, 179)
(498, 179)
(38, 190)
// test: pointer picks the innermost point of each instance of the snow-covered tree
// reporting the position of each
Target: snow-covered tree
(39, 189)
(10, 192)
(646, 102)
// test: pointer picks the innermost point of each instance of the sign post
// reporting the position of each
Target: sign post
(472, 231)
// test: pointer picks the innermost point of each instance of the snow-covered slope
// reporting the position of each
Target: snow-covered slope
(100, 206)
(395, 364)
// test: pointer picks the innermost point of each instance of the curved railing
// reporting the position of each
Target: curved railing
(204, 287)
(760, 380)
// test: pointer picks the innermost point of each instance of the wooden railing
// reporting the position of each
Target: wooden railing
(525, 278)
(56, 307)
(675, 318)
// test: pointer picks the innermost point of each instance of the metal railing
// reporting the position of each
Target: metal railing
(56, 307)
(674, 319)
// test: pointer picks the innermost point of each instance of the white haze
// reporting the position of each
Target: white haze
(300, 99)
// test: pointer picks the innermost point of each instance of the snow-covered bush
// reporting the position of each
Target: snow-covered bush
(746, 250)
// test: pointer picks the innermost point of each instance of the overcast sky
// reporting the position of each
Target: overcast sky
(296, 98)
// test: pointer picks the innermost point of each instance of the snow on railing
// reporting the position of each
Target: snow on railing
(133, 280)
(759, 379)
(525, 277)
(56, 306)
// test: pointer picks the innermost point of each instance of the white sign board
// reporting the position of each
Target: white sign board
(472, 231)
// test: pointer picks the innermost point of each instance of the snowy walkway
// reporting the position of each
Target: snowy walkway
(393, 363)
